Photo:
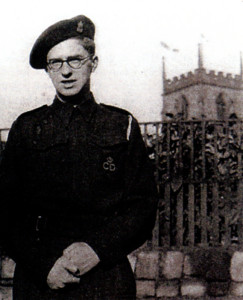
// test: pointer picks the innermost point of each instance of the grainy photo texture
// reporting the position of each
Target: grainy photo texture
(121, 150)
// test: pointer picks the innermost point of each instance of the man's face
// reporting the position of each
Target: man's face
(67, 80)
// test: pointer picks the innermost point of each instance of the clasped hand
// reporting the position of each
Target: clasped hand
(77, 259)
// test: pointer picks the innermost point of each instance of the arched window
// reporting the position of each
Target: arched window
(233, 116)
(184, 107)
(220, 103)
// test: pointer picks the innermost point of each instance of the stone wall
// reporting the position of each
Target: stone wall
(202, 101)
(204, 76)
(197, 274)
(7, 270)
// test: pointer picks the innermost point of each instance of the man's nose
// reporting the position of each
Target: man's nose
(66, 70)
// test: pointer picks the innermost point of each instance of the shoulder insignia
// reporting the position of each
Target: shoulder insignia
(125, 114)
(129, 127)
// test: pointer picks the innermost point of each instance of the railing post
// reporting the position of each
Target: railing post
(203, 200)
(0, 141)
(191, 209)
(240, 187)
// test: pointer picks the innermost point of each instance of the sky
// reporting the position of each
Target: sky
(132, 36)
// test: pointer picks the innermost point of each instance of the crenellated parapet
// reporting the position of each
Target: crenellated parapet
(202, 76)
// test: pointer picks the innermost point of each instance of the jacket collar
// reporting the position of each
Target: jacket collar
(64, 110)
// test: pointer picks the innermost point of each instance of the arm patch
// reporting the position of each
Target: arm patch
(129, 127)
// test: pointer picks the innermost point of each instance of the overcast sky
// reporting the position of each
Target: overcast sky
(131, 37)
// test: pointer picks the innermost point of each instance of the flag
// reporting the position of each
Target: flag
(163, 44)
(167, 47)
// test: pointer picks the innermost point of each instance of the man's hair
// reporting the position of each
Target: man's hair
(88, 44)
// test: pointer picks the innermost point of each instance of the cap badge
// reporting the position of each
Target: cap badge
(80, 27)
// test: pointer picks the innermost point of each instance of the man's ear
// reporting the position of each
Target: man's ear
(95, 61)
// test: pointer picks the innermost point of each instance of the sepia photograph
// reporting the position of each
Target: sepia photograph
(121, 150)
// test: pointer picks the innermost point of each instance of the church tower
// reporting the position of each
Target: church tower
(203, 94)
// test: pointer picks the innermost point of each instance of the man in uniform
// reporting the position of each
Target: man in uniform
(77, 188)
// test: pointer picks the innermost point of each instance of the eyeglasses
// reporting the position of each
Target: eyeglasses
(73, 62)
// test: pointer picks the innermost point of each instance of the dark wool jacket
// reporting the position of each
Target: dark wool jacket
(72, 174)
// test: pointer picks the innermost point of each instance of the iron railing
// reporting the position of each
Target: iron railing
(198, 168)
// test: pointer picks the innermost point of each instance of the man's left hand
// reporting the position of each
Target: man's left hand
(82, 256)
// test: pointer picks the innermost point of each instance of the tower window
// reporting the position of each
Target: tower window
(184, 107)
(220, 103)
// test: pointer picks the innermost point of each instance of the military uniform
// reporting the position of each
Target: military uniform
(76, 173)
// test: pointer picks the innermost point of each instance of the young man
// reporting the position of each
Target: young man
(77, 188)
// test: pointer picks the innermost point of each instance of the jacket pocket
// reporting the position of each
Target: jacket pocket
(45, 157)
(108, 160)
(112, 153)
(47, 141)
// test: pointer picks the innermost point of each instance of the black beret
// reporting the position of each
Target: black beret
(79, 26)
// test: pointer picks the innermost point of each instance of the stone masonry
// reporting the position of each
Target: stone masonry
(202, 94)
(198, 274)
(160, 274)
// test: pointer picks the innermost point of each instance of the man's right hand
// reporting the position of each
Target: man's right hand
(62, 273)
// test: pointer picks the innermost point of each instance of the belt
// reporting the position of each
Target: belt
(41, 223)
(60, 225)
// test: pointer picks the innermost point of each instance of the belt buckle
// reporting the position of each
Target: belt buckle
(40, 223)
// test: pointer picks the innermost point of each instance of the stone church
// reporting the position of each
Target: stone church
(202, 94)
